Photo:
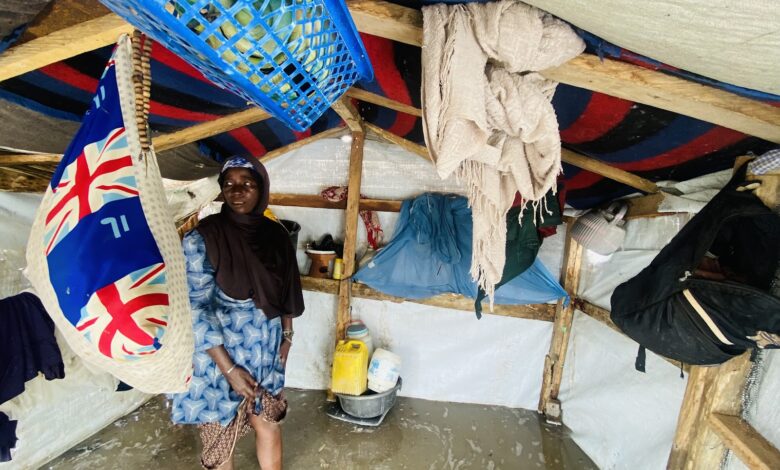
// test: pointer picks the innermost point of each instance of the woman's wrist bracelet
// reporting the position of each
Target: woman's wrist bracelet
(231, 369)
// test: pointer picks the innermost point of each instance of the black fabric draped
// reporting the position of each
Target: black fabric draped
(253, 257)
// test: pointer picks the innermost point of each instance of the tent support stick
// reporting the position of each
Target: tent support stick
(553, 363)
(350, 237)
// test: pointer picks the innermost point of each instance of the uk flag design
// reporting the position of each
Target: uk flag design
(101, 174)
(104, 263)
(128, 317)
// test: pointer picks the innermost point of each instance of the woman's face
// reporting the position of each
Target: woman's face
(240, 190)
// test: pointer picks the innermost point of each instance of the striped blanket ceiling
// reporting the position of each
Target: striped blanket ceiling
(650, 142)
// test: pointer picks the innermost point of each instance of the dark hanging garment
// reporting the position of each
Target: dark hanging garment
(7, 437)
(27, 344)
(705, 298)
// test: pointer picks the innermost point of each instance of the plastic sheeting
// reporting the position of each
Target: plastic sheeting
(737, 43)
(447, 354)
(621, 418)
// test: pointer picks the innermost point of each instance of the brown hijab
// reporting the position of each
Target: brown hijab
(252, 254)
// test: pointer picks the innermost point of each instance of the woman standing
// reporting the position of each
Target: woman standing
(245, 290)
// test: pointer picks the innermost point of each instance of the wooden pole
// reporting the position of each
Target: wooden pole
(350, 237)
(405, 144)
(709, 390)
(373, 98)
(746, 443)
(553, 362)
(62, 44)
(540, 312)
(209, 129)
(603, 169)
(276, 153)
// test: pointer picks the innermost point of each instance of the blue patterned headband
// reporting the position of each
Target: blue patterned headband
(237, 162)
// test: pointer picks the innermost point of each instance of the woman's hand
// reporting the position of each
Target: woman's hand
(284, 351)
(242, 382)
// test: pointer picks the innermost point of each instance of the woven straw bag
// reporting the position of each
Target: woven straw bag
(165, 365)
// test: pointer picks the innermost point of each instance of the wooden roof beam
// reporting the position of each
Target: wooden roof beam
(373, 98)
(209, 129)
(63, 44)
(348, 113)
(276, 153)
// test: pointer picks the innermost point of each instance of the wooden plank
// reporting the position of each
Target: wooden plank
(664, 91)
(351, 216)
(373, 98)
(724, 396)
(699, 383)
(387, 20)
(541, 312)
(31, 172)
(12, 181)
(61, 45)
(29, 159)
(405, 144)
(276, 153)
(603, 169)
(709, 390)
(348, 113)
(553, 362)
(645, 206)
(746, 443)
(307, 200)
(208, 129)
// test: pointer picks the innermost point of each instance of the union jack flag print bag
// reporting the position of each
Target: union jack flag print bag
(104, 255)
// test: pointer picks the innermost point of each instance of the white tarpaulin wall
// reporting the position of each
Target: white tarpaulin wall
(733, 42)
(447, 355)
(622, 418)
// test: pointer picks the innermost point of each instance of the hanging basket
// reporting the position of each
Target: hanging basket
(293, 58)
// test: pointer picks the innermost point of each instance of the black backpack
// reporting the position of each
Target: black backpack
(674, 307)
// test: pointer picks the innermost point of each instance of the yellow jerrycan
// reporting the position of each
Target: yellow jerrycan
(350, 368)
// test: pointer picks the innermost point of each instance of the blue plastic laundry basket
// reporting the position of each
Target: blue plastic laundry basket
(291, 57)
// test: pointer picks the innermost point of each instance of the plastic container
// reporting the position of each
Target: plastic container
(350, 364)
(384, 370)
(371, 404)
(293, 58)
(358, 331)
(602, 230)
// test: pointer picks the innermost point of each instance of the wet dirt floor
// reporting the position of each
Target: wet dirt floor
(416, 434)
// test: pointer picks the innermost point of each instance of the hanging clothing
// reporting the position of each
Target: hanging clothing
(251, 254)
(430, 254)
(27, 344)
(7, 437)
(251, 339)
(487, 113)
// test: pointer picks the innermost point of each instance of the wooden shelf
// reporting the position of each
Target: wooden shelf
(542, 312)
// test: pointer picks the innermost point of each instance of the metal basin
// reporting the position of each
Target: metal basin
(370, 404)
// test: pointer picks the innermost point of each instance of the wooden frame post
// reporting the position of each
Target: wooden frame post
(710, 390)
(350, 237)
(553, 362)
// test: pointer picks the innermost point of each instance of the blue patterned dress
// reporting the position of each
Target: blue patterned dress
(251, 340)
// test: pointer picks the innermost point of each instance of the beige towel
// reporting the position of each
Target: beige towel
(487, 115)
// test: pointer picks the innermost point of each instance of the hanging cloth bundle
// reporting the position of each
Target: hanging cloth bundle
(487, 114)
